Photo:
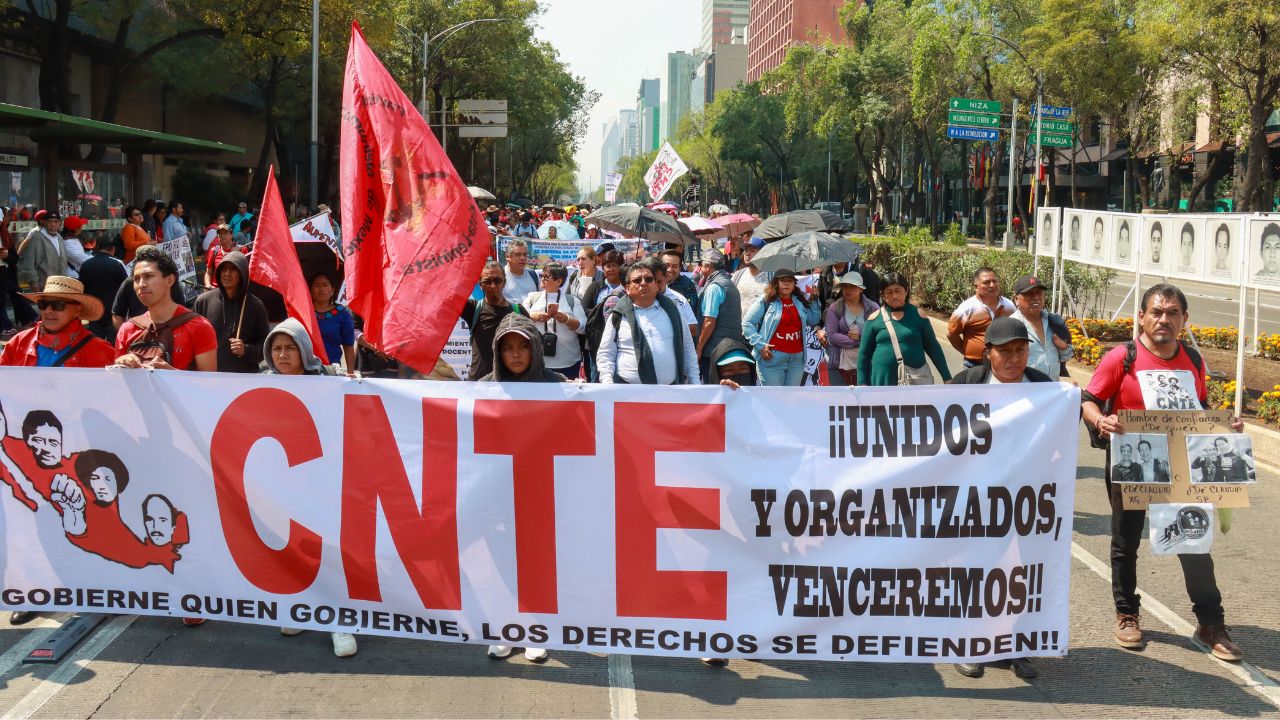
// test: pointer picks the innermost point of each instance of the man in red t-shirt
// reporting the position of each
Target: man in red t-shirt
(1160, 377)
(167, 336)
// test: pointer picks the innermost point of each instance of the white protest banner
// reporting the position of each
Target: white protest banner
(611, 183)
(873, 524)
(663, 172)
(317, 228)
(457, 351)
(180, 251)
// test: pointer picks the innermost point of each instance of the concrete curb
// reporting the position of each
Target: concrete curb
(1266, 442)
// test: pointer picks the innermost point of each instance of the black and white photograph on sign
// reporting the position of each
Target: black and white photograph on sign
(1140, 459)
(1169, 389)
(1122, 255)
(1099, 239)
(1264, 252)
(1221, 263)
(1155, 255)
(1221, 459)
(1187, 255)
(1178, 529)
(1072, 245)
(1046, 229)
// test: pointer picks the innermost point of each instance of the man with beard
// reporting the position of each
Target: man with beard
(104, 533)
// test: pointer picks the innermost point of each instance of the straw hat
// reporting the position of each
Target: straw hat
(59, 287)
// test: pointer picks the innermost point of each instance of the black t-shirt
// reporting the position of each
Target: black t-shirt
(102, 274)
(482, 331)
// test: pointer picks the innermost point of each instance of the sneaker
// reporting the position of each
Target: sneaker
(1023, 668)
(22, 617)
(1219, 642)
(537, 655)
(497, 652)
(970, 670)
(344, 644)
(192, 622)
(290, 631)
(715, 662)
(1129, 631)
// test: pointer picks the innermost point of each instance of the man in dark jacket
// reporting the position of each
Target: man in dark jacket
(102, 275)
(238, 318)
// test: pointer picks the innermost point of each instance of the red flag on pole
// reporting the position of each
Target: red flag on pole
(274, 263)
(415, 242)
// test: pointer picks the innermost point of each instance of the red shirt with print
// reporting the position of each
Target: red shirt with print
(789, 337)
(1110, 381)
(192, 338)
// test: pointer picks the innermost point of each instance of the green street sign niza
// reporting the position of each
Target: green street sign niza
(972, 105)
(970, 119)
(1059, 127)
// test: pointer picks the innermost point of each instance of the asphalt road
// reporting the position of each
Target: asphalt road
(148, 667)
(1211, 305)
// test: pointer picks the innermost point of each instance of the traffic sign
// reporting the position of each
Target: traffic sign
(972, 119)
(1057, 127)
(1061, 141)
(1052, 111)
(972, 105)
(968, 133)
(478, 106)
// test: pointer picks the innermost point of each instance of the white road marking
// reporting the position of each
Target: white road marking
(31, 703)
(622, 688)
(40, 628)
(1248, 674)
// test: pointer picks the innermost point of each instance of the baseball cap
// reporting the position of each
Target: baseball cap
(51, 215)
(1006, 330)
(784, 274)
(734, 356)
(756, 242)
(74, 223)
(1027, 283)
(714, 258)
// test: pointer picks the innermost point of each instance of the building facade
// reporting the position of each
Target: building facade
(776, 25)
(721, 21)
(724, 69)
(611, 149)
(629, 129)
(649, 116)
(680, 69)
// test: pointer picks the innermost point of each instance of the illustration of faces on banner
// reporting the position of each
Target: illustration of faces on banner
(1124, 229)
(1098, 239)
(1221, 263)
(1140, 459)
(1187, 251)
(1155, 256)
(1073, 245)
(1263, 251)
(1046, 232)
(1220, 459)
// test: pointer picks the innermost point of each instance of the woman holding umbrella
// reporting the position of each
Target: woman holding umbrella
(774, 328)
(897, 339)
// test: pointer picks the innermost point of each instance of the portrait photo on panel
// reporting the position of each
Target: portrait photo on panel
(1221, 262)
(1220, 459)
(1045, 230)
(1186, 247)
(1072, 245)
(1264, 251)
(1155, 256)
(1140, 459)
(1122, 255)
(1098, 238)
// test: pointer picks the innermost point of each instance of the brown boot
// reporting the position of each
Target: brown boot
(1219, 642)
(1129, 632)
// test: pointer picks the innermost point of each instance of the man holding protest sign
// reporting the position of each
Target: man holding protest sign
(1129, 378)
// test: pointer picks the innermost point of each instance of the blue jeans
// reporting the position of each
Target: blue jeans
(783, 369)
(570, 372)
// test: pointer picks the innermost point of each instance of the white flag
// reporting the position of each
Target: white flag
(317, 228)
(665, 169)
(611, 183)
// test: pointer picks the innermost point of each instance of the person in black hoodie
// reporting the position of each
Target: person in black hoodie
(238, 318)
(517, 353)
(732, 365)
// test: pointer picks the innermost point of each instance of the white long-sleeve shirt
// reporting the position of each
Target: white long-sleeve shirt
(618, 354)
(76, 255)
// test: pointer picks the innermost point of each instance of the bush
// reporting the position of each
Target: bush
(954, 236)
(1222, 393)
(1269, 405)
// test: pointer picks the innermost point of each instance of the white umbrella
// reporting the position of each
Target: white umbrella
(719, 208)
(564, 230)
(478, 193)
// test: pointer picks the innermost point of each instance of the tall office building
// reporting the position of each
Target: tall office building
(721, 19)
(680, 68)
(630, 131)
(649, 115)
(724, 69)
(611, 149)
(776, 25)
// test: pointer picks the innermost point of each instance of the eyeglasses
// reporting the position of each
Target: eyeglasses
(55, 305)
(644, 280)
(493, 281)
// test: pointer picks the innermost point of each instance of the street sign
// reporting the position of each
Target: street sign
(480, 106)
(972, 105)
(482, 131)
(1060, 141)
(972, 119)
(968, 133)
(1057, 127)
(484, 118)
(1052, 111)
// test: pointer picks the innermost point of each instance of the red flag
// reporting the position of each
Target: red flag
(415, 241)
(274, 263)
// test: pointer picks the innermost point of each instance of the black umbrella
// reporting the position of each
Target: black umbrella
(806, 251)
(798, 221)
(642, 223)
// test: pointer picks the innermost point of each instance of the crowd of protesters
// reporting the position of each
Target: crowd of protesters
(612, 320)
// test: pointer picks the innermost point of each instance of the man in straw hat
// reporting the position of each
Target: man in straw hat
(60, 339)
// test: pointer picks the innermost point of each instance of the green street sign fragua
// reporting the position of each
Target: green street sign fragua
(1061, 141)
(972, 119)
(972, 105)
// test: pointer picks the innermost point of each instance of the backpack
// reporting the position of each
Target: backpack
(1130, 356)
(156, 341)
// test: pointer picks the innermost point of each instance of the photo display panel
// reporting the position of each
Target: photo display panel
(1095, 229)
(1155, 245)
(1073, 235)
(1263, 252)
(1186, 240)
(1048, 231)
(1124, 244)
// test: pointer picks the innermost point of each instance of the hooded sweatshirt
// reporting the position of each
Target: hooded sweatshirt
(224, 314)
(311, 365)
(722, 348)
(537, 371)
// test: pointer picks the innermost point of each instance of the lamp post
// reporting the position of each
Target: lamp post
(427, 42)
(315, 110)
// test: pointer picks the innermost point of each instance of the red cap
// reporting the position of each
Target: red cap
(74, 223)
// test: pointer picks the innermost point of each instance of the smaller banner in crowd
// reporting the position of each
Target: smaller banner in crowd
(611, 183)
(457, 352)
(663, 172)
(565, 252)
(317, 228)
(180, 251)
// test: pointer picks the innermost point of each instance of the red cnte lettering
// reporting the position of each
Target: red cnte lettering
(293, 568)
(427, 541)
(533, 433)
(640, 431)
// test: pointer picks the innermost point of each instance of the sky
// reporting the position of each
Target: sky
(612, 45)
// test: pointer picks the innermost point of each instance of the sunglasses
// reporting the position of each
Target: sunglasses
(493, 281)
(642, 280)
(55, 305)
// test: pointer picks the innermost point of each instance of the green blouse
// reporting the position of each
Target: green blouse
(877, 365)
